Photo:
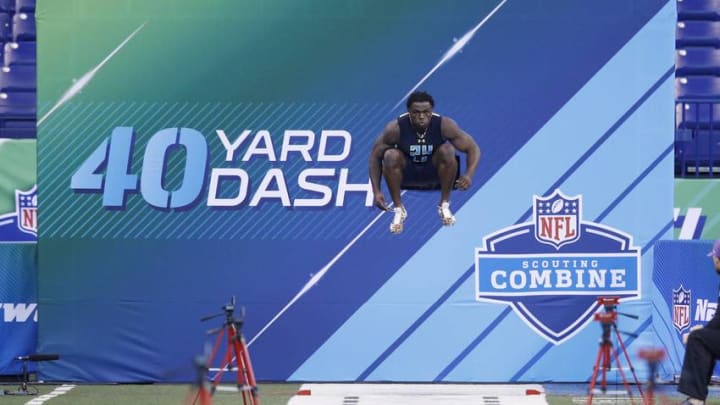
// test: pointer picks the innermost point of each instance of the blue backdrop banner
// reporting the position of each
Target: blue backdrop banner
(18, 305)
(686, 295)
(188, 154)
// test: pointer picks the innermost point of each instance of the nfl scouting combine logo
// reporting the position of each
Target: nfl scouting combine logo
(681, 308)
(21, 225)
(552, 270)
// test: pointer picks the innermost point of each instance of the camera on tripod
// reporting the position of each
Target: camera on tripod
(607, 353)
(606, 317)
(229, 313)
(236, 358)
(229, 307)
(610, 303)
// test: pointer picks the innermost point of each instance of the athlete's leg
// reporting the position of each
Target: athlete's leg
(444, 160)
(393, 166)
(447, 166)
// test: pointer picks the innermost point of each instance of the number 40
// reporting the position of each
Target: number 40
(115, 155)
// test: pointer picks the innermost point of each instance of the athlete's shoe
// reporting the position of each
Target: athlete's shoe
(446, 216)
(396, 226)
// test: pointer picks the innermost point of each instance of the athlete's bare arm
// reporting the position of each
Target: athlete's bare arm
(466, 144)
(389, 137)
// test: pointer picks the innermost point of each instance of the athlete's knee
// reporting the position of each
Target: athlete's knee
(445, 154)
(393, 158)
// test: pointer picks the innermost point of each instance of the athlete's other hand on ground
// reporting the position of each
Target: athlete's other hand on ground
(463, 182)
(380, 202)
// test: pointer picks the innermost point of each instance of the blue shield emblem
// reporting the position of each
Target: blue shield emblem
(557, 219)
(552, 270)
(681, 308)
(26, 208)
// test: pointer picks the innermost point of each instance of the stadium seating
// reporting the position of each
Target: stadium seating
(698, 154)
(5, 27)
(697, 33)
(25, 6)
(23, 27)
(20, 53)
(697, 88)
(18, 79)
(696, 60)
(698, 10)
(17, 105)
(7, 6)
(697, 115)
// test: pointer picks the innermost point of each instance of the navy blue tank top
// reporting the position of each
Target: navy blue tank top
(419, 148)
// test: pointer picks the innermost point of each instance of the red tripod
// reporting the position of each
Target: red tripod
(236, 356)
(653, 356)
(606, 352)
(201, 389)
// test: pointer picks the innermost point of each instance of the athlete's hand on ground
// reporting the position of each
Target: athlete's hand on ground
(463, 182)
(687, 335)
(380, 202)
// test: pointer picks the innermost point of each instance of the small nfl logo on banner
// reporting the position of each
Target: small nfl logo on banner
(681, 308)
(26, 208)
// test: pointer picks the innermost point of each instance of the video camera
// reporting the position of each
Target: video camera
(610, 303)
(606, 317)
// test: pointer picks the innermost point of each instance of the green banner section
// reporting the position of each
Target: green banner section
(697, 209)
(18, 167)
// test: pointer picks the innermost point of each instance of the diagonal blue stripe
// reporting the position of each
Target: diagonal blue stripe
(612, 205)
(657, 237)
(409, 331)
(579, 110)
(473, 344)
(605, 136)
(634, 184)
(531, 362)
(523, 218)
(605, 212)
(542, 351)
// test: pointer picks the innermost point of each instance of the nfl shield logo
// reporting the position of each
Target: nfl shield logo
(557, 218)
(26, 208)
(681, 308)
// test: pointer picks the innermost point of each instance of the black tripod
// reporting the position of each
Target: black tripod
(606, 352)
(24, 384)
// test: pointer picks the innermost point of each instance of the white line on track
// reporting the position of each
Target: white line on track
(63, 389)
(419, 394)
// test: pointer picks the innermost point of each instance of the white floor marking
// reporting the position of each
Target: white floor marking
(46, 397)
